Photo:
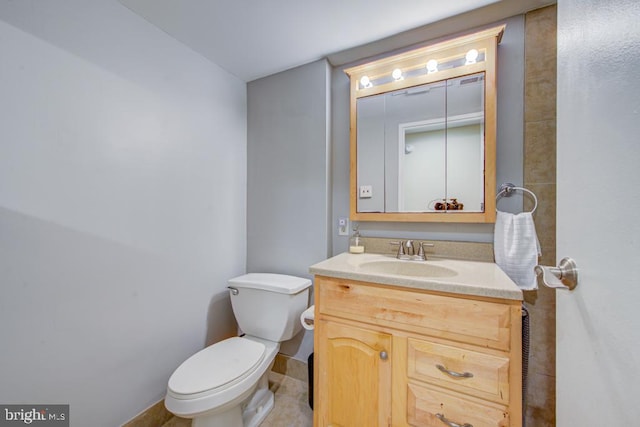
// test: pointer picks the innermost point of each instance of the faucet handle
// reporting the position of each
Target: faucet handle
(400, 247)
(421, 253)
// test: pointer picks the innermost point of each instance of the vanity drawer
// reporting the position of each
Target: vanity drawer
(482, 323)
(482, 375)
(426, 407)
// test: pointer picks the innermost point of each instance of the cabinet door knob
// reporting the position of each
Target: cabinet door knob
(451, 423)
(384, 355)
(454, 373)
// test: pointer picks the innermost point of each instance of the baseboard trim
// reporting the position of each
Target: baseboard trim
(291, 367)
(154, 416)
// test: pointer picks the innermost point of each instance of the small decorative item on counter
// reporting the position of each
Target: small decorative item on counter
(355, 242)
(440, 206)
(452, 205)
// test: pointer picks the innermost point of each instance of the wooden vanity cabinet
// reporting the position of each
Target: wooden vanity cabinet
(394, 356)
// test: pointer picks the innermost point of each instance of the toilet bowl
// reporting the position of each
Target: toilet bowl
(214, 382)
(226, 384)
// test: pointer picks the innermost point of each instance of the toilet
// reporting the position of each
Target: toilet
(226, 384)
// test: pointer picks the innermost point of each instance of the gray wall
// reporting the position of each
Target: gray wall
(287, 170)
(509, 149)
(288, 176)
(122, 206)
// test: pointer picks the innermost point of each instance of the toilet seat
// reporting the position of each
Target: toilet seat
(216, 367)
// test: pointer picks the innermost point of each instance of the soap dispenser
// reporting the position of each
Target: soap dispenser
(355, 242)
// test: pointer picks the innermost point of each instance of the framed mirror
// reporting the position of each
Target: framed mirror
(423, 126)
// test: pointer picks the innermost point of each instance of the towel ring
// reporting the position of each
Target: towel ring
(508, 188)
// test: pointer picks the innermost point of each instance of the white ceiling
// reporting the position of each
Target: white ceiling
(255, 38)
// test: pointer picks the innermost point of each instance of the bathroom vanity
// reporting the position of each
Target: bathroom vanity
(406, 343)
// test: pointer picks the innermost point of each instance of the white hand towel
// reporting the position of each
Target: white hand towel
(516, 247)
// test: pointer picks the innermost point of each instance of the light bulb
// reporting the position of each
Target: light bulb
(432, 66)
(471, 57)
(365, 82)
(397, 74)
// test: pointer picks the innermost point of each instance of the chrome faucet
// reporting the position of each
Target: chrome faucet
(410, 249)
(407, 250)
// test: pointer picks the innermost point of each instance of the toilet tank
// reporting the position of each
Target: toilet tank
(269, 305)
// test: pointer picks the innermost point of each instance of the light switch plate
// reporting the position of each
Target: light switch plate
(343, 226)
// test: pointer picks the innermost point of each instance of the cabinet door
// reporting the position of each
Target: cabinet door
(354, 376)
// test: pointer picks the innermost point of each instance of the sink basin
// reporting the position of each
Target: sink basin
(406, 268)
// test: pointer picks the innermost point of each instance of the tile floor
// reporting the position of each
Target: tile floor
(291, 405)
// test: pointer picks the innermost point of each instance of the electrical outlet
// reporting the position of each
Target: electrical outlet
(343, 226)
(366, 191)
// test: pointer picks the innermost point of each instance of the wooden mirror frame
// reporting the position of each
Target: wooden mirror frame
(485, 41)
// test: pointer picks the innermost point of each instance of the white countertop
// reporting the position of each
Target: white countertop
(483, 279)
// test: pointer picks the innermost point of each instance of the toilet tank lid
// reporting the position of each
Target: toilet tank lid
(280, 283)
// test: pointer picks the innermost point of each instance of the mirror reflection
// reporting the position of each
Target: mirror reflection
(421, 148)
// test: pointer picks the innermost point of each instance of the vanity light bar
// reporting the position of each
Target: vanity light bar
(432, 66)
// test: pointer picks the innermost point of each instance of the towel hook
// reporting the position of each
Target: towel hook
(507, 190)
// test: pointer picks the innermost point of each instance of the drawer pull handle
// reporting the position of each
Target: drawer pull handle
(453, 373)
(451, 423)
(383, 355)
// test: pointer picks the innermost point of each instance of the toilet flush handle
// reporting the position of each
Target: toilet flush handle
(234, 291)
